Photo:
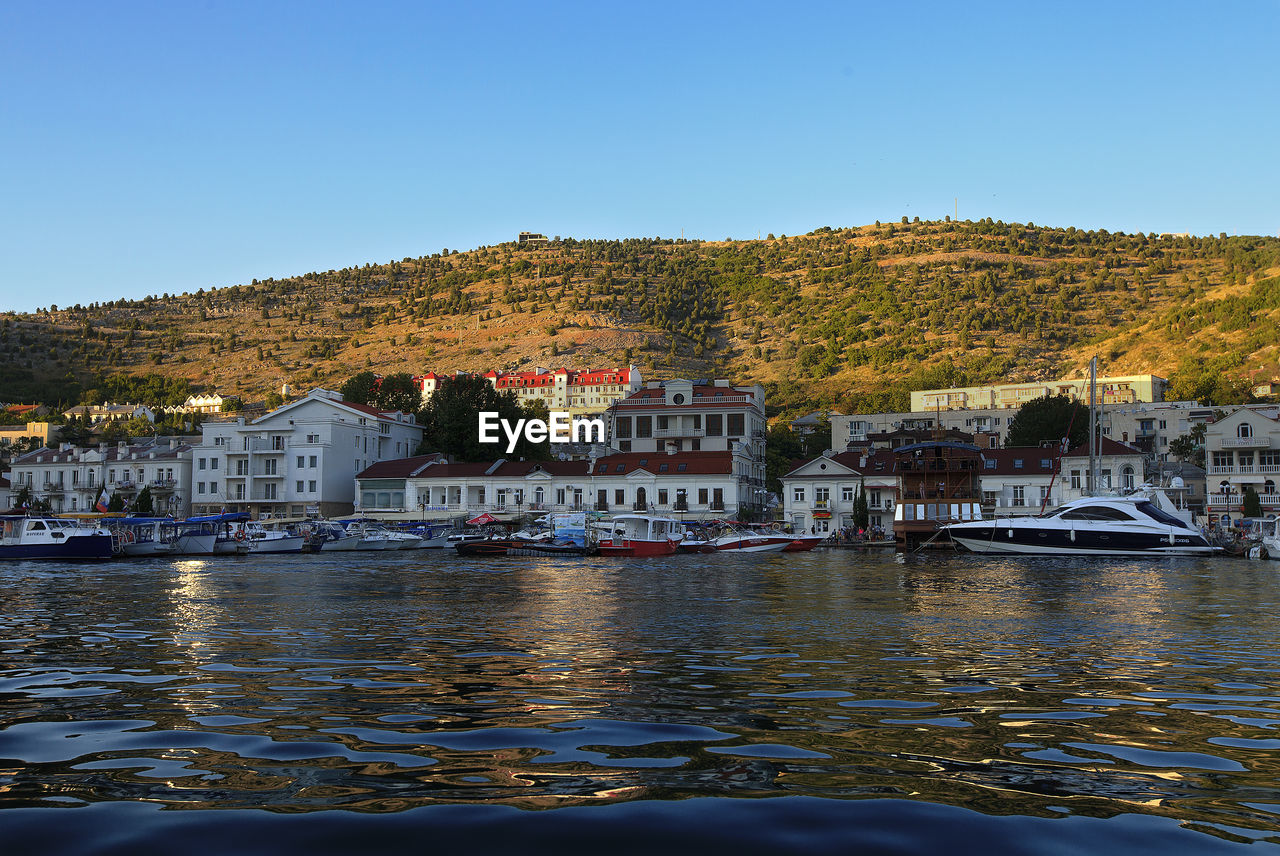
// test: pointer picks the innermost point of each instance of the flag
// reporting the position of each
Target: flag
(103, 501)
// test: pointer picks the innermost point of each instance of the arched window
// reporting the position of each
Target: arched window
(538, 495)
(1244, 430)
(1126, 478)
(1269, 487)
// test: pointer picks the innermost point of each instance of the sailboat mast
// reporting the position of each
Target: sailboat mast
(1093, 427)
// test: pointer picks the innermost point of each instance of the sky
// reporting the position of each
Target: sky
(151, 148)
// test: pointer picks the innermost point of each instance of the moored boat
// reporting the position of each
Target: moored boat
(52, 538)
(803, 543)
(640, 535)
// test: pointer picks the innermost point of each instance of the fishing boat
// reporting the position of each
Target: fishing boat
(640, 535)
(53, 538)
(143, 536)
(262, 537)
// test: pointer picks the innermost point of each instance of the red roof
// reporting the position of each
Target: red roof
(365, 408)
(879, 462)
(399, 468)
(690, 463)
(21, 408)
(1107, 446)
(1020, 461)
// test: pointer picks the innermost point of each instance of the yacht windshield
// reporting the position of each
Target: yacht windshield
(1150, 509)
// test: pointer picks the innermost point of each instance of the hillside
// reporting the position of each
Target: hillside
(849, 317)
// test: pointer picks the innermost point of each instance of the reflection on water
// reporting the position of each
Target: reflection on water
(385, 683)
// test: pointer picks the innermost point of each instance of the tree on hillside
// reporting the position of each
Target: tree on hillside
(819, 440)
(451, 422)
(1047, 420)
(1209, 381)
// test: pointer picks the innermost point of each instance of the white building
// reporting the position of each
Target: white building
(96, 413)
(681, 416)
(818, 495)
(71, 478)
(682, 484)
(579, 393)
(300, 458)
(202, 403)
(1243, 449)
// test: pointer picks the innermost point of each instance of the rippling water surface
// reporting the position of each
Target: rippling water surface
(779, 703)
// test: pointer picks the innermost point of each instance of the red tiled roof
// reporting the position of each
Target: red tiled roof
(399, 468)
(1035, 460)
(695, 463)
(1107, 446)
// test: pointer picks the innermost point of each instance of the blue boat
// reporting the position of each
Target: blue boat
(52, 538)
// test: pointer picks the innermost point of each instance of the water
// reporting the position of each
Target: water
(775, 703)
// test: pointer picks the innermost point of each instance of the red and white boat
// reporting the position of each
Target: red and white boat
(753, 541)
(804, 543)
(640, 535)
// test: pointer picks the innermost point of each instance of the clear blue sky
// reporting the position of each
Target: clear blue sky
(153, 147)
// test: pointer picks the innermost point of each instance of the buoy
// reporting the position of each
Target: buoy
(240, 535)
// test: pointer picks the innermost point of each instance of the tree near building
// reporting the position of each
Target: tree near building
(144, 505)
(782, 449)
(1250, 502)
(1049, 419)
(451, 422)
(861, 512)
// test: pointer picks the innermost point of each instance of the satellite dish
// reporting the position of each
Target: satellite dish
(1177, 483)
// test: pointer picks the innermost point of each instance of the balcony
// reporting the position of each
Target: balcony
(1246, 442)
(1223, 501)
(679, 432)
(639, 506)
(1222, 471)
(258, 445)
(821, 503)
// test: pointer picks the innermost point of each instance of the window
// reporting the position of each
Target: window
(702, 496)
(620, 496)
(735, 425)
(990, 497)
(311, 461)
(1106, 478)
(990, 463)
(199, 487)
(717, 498)
(269, 491)
(1126, 477)
(213, 463)
(213, 487)
(846, 493)
(559, 496)
(200, 463)
(1244, 430)
(1019, 498)
(644, 426)
(622, 427)
(874, 499)
(301, 461)
(1044, 494)
(1045, 464)
(715, 425)
(624, 446)
(822, 494)
(277, 443)
(313, 438)
(681, 467)
(1075, 479)
(269, 467)
(662, 496)
(311, 487)
(1017, 463)
(797, 494)
(299, 486)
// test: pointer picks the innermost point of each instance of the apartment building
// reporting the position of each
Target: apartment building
(579, 393)
(71, 478)
(301, 458)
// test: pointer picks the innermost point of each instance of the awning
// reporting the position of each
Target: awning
(482, 520)
(821, 515)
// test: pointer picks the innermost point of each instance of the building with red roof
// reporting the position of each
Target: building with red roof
(579, 393)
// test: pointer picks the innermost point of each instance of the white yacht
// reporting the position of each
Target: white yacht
(1131, 525)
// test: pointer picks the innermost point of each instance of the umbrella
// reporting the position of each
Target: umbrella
(482, 520)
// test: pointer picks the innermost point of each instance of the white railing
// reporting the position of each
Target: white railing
(679, 432)
(1246, 442)
(1221, 471)
(1233, 500)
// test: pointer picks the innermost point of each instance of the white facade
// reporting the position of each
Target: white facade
(689, 485)
(70, 478)
(680, 416)
(298, 459)
(1243, 449)
(818, 496)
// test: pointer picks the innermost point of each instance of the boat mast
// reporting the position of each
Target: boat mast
(1093, 427)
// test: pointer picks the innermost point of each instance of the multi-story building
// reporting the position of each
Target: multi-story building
(1126, 389)
(44, 432)
(579, 393)
(1150, 426)
(298, 459)
(96, 413)
(819, 494)
(71, 479)
(1243, 450)
(682, 484)
(683, 416)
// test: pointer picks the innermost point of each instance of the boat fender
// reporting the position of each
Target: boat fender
(1073, 536)
(128, 536)
(1010, 533)
(1172, 536)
